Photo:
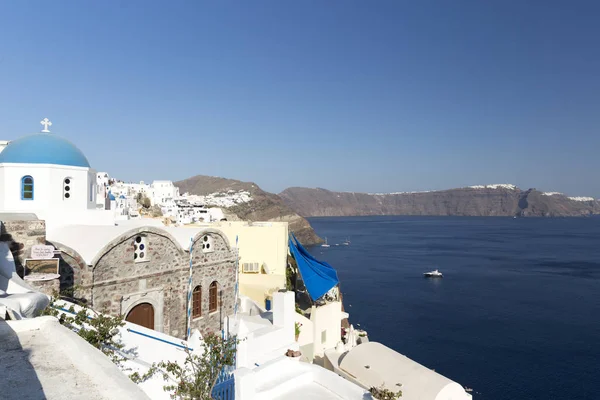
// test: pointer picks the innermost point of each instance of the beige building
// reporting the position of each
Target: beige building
(263, 251)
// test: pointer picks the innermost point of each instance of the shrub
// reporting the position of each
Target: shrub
(99, 330)
(197, 377)
(297, 326)
(381, 393)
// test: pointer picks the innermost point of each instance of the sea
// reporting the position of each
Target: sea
(516, 315)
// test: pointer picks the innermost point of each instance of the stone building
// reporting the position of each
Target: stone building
(143, 274)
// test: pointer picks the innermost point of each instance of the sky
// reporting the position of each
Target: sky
(377, 96)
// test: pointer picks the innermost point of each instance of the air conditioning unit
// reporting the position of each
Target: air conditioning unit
(251, 268)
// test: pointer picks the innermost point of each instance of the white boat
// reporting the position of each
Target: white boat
(346, 242)
(325, 244)
(433, 274)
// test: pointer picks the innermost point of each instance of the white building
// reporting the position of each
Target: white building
(189, 212)
(102, 182)
(49, 176)
(163, 192)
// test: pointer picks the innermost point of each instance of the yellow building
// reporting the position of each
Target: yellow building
(263, 251)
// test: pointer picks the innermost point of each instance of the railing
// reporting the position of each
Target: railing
(225, 387)
(159, 339)
(132, 331)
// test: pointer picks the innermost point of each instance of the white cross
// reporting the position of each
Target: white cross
(46, 122)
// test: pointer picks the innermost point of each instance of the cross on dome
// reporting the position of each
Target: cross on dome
(46, 122)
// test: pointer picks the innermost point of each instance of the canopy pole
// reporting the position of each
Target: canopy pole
(237, 273)
(189, 299)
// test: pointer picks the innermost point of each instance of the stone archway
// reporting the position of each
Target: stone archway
(142, 314)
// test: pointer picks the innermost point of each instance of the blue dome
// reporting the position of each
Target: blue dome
(111, 196)
(122, 197)
(43, 148)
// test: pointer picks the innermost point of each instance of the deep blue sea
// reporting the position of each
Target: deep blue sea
(516, 316)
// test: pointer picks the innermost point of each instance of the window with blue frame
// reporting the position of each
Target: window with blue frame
(27, 188)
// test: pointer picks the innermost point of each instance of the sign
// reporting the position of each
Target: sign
(49, 266)
(42, 252)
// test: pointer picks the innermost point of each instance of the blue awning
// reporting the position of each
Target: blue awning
(318, 276)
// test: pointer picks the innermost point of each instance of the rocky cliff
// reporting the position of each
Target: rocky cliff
(488, 200)
(263, 206)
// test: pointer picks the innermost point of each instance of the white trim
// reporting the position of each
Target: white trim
(59, 166)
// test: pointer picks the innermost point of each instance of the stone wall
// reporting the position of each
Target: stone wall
(24, 235)
(75, 275)
(215, 266)
(49, 287)
(120, 283)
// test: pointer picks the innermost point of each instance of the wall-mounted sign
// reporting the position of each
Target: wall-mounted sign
(42, 252)
(48, 266)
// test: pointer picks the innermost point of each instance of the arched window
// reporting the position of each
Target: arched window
(27, 188)
(197, 302)
(212, 297)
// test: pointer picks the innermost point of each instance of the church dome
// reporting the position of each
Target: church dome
(43, 148)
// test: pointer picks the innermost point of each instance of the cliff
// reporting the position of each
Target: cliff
(489, 200)
(263, 206)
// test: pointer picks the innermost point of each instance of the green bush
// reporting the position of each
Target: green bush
(381, 393)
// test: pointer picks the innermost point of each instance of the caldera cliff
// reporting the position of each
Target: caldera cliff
(484, 200)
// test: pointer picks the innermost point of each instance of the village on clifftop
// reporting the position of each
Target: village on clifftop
(178, 268)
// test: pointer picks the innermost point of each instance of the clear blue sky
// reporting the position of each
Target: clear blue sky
(370, 96)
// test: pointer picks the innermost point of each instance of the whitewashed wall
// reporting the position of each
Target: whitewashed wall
(326, 319)
(48, 187)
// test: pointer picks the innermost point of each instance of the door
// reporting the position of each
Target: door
(142, 314)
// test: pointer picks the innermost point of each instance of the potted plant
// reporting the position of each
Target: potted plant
(294, 355)
(297, 326)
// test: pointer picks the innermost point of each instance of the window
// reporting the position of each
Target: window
(67, 188)
(27, 188)
(140, 249)
(212, 297)
(197, 302)
(207, 244)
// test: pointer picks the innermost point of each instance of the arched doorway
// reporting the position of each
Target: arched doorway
(142, 314)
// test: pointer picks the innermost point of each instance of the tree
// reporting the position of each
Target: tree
(291, 272)
(198, 376)
(99, 330)
(146, 203)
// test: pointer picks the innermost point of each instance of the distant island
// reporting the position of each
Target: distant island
(480, 200)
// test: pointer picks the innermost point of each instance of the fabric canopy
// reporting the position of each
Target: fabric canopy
(318, 276)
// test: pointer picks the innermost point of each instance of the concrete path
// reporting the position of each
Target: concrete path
(40, 359)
